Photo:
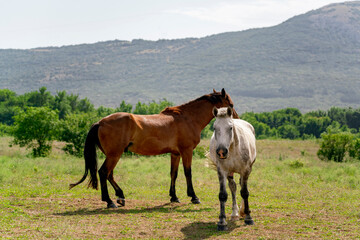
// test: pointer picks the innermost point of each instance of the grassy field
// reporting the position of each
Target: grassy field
(293, 195)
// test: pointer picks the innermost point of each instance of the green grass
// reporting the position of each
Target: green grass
(296, 196)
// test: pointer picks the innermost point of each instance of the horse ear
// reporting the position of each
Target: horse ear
(215, 111)
(223, 93)
(214, 90)
(229, 111)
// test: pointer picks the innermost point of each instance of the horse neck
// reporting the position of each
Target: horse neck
(236, 140)
(200, 112)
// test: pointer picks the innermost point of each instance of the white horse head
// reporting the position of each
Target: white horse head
(223, 131)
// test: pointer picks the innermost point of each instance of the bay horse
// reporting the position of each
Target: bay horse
(232, 150)
(176, 130)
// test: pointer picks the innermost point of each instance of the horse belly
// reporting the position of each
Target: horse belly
(152, 146)
(153, 135)
(240, 164)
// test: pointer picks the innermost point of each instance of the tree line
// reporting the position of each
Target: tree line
(338, 128)
(290, 123)
(37, 118)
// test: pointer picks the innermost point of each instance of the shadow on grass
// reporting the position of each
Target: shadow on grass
(204, 230)
(164, 208)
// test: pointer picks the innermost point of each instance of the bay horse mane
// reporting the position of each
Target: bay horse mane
(213, 98)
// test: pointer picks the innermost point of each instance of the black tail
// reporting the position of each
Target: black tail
(91, 142)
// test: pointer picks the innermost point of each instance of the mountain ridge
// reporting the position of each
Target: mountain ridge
(310, 61)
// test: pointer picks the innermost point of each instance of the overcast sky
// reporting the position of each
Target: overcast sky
(40, 23)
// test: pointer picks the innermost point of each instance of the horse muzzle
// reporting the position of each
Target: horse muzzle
(222, 153)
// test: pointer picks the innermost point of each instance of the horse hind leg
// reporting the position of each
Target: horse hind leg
(104, 173)
(235, 208)
(118, 191)
(187, 159)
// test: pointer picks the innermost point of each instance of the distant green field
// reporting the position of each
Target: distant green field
(293, 195)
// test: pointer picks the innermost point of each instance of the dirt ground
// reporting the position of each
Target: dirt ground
(87, 218)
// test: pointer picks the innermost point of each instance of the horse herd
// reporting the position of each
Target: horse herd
(176, 130)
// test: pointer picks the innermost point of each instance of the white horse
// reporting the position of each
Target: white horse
(232, 150)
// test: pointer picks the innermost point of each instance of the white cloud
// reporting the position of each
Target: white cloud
(27, 24)
(251, 14)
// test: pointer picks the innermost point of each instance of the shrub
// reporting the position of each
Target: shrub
(4, 129)
(200, 151)
(354, 149)
(334, 146)
(73, 131)
(206, 132)
(296, 164)
(36, 128)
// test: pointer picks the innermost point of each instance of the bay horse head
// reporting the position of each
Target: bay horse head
(222, 99)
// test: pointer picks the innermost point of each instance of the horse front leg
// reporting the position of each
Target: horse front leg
(222, 225)
(235, 208)
(245, 210)
(187, 159)
(175, 159)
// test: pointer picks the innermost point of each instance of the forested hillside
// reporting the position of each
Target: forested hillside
(309, 62)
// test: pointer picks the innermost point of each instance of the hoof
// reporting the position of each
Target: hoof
(111, 205)
(249, 222)
(222, 227)
(174, 199)
(235, 218)
(121, 201)
(195, 200)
